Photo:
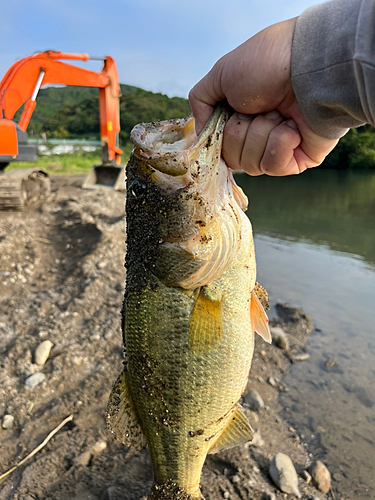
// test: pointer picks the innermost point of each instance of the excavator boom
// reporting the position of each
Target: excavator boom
(20, 86)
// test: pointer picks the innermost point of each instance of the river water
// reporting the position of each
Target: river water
(315, 248)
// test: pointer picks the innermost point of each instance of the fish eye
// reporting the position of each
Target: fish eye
(138, 188)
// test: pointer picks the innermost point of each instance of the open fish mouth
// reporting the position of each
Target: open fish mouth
(172, 146)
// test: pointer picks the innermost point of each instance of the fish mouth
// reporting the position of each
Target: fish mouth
(172, 146)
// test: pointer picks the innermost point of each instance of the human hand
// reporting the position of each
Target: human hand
(267, 133)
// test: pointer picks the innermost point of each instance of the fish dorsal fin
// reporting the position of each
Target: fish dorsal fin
(122, 419)
(237, 431)
(206, 324)
(259, 319)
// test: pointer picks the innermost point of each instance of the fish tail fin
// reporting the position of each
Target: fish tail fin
(171, 491)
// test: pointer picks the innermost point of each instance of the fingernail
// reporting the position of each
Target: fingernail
(292, 124)
(243, 117)
(273, 115)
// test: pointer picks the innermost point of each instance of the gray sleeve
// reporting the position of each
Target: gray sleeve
(333, 66)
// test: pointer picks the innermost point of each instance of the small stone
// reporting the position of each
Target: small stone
(306, 476)
(77, 360)
(272, 381)
(94, 338)
(42, 334)
(269, 496)
(279, 338)
(236, 479)
(301, 357)
(83, 459)
(8, 421)
(284, 474)
(257, 440)
(35, 380)
(42, 352)
(330, 363)
(99, 446)
(109, 493)
(315, 498)
(101, 264)
(321, 477)
(254, 400)
(226, 494)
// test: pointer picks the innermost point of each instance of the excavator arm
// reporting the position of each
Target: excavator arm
(24, 78)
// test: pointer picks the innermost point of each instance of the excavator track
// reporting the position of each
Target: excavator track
(20, 187)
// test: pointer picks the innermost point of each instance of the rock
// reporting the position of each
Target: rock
(315, 498)
(257, 440)
(8, 421)
(272, 381)
(330, 363)
(306, 476)
(101, 264)
(109, 493)
(236, 479)
(226, 494)
(301, 357)
(284, 475)
(99, 446)
(279, 338)
(42, 334)
(84, 458)
(35, 380)
(42, 352)
(321, 477)
(269, 496)
(254, 400)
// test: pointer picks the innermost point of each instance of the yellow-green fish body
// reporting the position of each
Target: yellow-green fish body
(189, 309)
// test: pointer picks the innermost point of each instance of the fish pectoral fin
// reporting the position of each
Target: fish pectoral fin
(206, 324)
(237, 431)
(122, 418)
(262, 295)
(259, 319)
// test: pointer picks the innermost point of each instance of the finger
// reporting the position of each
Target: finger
(256, 141)
(279, 155)
(204, 95)
(234, 138)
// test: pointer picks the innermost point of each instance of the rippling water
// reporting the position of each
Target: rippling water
(315, 244)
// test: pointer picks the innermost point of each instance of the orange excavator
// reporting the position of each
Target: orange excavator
(21, 85)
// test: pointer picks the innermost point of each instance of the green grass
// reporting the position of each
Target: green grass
(69, 164)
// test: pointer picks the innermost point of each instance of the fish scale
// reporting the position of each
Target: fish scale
(189, 311)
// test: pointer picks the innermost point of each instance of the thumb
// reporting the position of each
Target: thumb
(204, 95)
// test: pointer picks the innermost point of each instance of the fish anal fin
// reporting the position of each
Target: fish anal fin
(122, 419)
(237, 431)
(259, 319)
(206, 324)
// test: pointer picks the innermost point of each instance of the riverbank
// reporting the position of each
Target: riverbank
(62, 280)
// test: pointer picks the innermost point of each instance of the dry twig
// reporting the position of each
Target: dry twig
(38, 448)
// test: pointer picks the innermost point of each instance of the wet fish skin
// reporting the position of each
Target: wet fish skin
(189, 308)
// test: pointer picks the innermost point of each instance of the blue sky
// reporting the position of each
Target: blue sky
(161, 45)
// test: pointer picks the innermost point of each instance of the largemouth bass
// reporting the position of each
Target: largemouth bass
(190, 307)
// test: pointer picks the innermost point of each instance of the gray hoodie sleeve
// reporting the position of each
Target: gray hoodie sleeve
(333, 66)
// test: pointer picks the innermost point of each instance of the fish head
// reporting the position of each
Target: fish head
(184, 198)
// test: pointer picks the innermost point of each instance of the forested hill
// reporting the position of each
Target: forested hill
(72, 112)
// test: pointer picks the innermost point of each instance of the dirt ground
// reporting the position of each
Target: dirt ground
(62, 279)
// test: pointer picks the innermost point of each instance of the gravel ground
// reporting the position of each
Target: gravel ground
(62, 280)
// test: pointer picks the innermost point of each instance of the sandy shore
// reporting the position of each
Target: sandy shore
(62, 280)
